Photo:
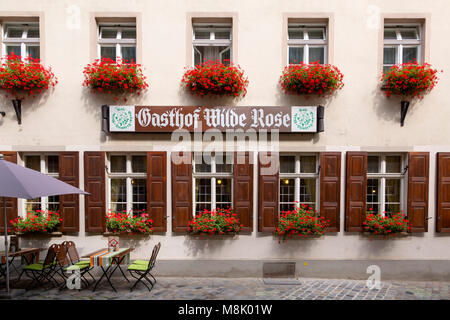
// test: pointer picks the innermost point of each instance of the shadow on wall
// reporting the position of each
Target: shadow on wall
(197, 247)
(187, 99)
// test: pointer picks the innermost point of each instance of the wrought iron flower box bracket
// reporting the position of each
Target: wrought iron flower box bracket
(403, 111)
(17, 103)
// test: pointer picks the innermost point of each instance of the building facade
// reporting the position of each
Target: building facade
(362, 159)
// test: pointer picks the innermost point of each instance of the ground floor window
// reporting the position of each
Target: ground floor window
(48, 164)
(298, 180)
(213, 182)
(127, 182)
(385, 183)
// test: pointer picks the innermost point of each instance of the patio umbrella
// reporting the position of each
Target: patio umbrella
(20, 182)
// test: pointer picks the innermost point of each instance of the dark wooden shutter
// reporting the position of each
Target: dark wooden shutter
(94, 183)
(11, 203)
(268, 186)
(443, 192)
(330, 187)
(69, 204)
(356, 189)
(243, 189)
(181, 194)
(418, 164)
(156, 189)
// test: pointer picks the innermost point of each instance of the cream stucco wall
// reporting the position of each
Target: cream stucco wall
(358, 117)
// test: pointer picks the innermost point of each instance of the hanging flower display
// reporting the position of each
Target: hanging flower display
(377, 224)
(215, 78)
(314, 78)
(220, 221)
(37, 222)
(108, 76)
(20, 77)
(124, 223)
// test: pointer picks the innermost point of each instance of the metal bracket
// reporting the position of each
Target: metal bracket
(17, 103)
(404, 170)
(403, 111)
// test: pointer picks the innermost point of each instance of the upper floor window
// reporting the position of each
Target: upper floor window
(213, 183)
(117, 42)
(299, 178)
(48, 164)
(307, 43)
(21, 39)
(385, 183)
(212, 42)
(402, 44)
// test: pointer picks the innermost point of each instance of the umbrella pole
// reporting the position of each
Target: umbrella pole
(6, 245)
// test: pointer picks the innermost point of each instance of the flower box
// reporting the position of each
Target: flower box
(230, 236)
(37, 223)
(39, 234)
(219, 222)
(123, 223)
(376, 225)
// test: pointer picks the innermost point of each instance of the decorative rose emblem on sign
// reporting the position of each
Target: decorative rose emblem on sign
(122, 118)
(304, 119)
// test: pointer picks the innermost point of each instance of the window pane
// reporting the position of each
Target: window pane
(390, 55)
(139, 164)
(287, 191)
(223, 193)
(129, 54)
(200, 207)
(316, 34)
(287, 164)
(118, 207)
(295, 55)
(373, 164)
(393, 164)
(317, 54)
(203, 190)
(109, 33)
(118, 190)
(295, 33)
(392, 191)
(224, 164)
(409, 34)
(213, 53)
(372, 195)
(200, 162)
(13, 49)
(33, 33)
(202, 35)
(308, 191)
(108, 52)
(308, 164)
(52, 164)
(222, 34)
(33, 162)
(410, 54)
(53, 207)
(14, 32)
(139, 187)
(118, 164)
(197, 57)
(33, 205)
(225, 56)
(390, 34)
(33, 52)
(129, 34)
(139, 208)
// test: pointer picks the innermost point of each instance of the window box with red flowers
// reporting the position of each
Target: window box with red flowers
(311, 79)
(301, 222)
(215, 79)
(378, 225)
(408, 81)
(41, 223)
(24, 77)
(123, 223)
(117, 78)
(215, 224)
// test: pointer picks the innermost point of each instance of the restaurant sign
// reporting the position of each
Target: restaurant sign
(167, 119)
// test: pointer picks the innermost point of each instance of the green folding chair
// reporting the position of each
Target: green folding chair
(140, 269)
(42, 271)
(84, 265)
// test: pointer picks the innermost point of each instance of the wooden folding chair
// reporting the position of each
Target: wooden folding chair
(140, 269)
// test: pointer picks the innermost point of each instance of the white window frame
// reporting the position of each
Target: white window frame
(128, 175)
(212, 28)
(298, 176)
(43, 169)
(24, 42)
(213, 176)
(307, 43)
(117, 42)
(382, 176)
(400, 43)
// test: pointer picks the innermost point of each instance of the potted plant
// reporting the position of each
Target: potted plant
(302, 221)
(124, 223)
(37, 222)
(118, 78)
(20, 77)
(311, 79)
(376, 224)
(215, 222)
(409, 81)
(215, 79)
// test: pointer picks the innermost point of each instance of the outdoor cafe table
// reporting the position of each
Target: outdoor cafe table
(109, 260)
(32, 253)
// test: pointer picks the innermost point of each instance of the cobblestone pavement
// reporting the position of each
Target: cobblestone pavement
(249, 288)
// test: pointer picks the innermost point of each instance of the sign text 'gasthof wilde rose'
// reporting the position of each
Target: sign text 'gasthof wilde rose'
(191, 118)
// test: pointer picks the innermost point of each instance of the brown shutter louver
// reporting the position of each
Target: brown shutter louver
(69, 204)
(356, 189)
(418, 171)
(181, 194)
(268, 185)
(443, 192)
(94, 183)
(330, 187)
(156, 189)
(11, 203)
(243, 189)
